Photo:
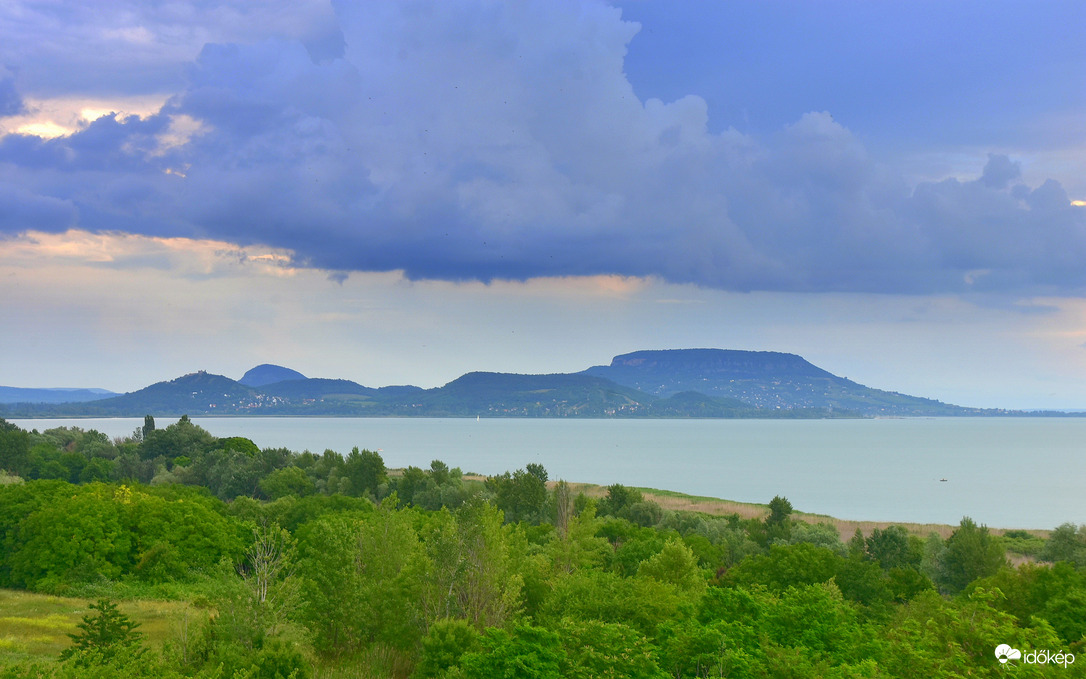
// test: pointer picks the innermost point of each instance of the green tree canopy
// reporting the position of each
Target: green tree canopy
(14, 448)
(365, 471)
(969, 553)
(522, 495)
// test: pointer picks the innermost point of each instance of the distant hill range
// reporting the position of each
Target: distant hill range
(21, 395)
(669, 383)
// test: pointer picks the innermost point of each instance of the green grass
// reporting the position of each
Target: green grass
(376, 662)
(36, 626)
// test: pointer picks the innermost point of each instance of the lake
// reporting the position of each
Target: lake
(1003, 472)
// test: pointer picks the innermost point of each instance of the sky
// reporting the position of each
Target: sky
(402, 192)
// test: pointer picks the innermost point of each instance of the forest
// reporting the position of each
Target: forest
(307, 565)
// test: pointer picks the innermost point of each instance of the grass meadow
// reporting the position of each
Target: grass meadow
(36, 626)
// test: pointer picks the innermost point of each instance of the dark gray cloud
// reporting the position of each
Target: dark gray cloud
(1000, 171)
(11, 103)
(19, 207)
(493, 140)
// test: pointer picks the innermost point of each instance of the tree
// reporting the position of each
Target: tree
(365, 471)
(935, 637)
(390, 565)
(439, 472)
(536, 470)
(331, 584)
(14, 448)
(890, 548)
(286, 481)
(444, 644)
(969, 553)
(181, 438)
(777, 523)
(787, 566)
(239, 444)
(907, 583)
(257, 603)
(779, 510)
(644, 513)
(634, 547)
(563, 507)
(618, 498)
(675, 564)
(412, 482)
(525, 652)
(1056, 593)
(278, 660)
(521, 495)
(1066, 543)
(361, 579)
(105, 634)
(641, 603)
(601, 650)
(817, 619)
(472, 575)
(82, 536)
(178, 530)
(577, 546)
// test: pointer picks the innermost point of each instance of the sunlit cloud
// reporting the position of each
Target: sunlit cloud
(181, 130)
(124, 251)
(569, 287)
(45, 129)
(63, 116)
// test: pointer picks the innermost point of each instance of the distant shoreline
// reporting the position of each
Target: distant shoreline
(676, 501)
(786, 415)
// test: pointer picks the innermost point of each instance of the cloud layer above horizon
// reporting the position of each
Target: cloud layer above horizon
(484, 140)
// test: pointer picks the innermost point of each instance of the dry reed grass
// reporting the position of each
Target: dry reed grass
(680, 502)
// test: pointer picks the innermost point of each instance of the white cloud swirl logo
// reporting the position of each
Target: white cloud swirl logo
(1004, 653)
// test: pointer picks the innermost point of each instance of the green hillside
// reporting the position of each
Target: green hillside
(506, 395)
(764, 379)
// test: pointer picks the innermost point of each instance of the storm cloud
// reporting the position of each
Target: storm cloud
(488, 140)
(10, 102)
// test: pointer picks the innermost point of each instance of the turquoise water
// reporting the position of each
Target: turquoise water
(1005, 472)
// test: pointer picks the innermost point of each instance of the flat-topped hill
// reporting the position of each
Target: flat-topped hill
(762, 379)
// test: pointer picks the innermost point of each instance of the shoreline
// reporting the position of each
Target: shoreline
(676, 501)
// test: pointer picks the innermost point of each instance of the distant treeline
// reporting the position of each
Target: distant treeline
(303, 563)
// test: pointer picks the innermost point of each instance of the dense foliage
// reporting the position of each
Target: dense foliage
(321, 563)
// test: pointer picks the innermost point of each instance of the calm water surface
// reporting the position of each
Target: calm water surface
(1006, 472)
